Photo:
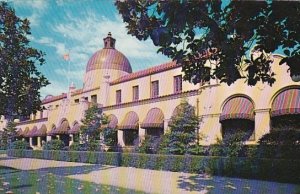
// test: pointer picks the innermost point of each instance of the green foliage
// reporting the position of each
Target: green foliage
(110, 136)
(19, 145)
(92, 122)
(20, 79)
(10, 131)
(280, 144)
(231, 145)
(164, 143)
(55, 144)
(282, 170)
(182, 129)
(220, 32)
(149, 145)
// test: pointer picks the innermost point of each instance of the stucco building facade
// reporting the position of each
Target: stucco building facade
(142, 102)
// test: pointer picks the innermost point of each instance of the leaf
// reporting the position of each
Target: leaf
(286, 52)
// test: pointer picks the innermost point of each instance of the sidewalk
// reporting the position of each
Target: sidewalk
(149, 181)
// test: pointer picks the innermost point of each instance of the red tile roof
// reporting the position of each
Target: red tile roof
(54, 98)
(145, 72)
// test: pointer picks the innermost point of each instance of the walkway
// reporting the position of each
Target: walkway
(148, 181)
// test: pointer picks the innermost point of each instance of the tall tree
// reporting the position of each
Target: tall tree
(92, 122)
(19, 78)
(183, 128)
(219, 32)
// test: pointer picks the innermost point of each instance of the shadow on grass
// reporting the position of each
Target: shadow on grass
(216, 184)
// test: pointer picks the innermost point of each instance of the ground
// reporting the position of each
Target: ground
(25, 175)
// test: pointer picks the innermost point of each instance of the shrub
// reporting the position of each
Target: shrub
(231, 145)
(54, 145)
(19, 145)
(283, 170)
(110, 136)
(149, 145)
(280, 144)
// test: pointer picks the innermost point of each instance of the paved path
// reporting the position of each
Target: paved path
(149, 181)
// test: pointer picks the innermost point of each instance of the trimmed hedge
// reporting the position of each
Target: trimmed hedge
(281, 170)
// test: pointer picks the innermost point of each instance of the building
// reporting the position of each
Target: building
(143, 102)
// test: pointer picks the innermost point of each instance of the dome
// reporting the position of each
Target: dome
(109, 58)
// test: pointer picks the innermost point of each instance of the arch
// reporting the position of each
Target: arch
(286, 102)
(130, 121)
(32, 132)
(234, 96)
(63, 128)
(113, 121)
(42, 131)
(281, 90)
(237, 107)
(154, 119)
(19, 132)
(53, 129)
(25, 132)
(75, 128)
(176, 110)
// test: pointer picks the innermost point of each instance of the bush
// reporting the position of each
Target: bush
(232, 145)
(110, 136)
(282, 170)
(55, 144)
(19, 145)
(149, 145)
(280, 144)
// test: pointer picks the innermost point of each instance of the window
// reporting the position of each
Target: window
(94, 98)
(118, 97)
(177, 84)
(154, 89)
(86, 98)
(57, 106)
(135, 93)
(76, 100)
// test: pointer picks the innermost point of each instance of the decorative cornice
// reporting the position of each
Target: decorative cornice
(153, 100)
(32, 121)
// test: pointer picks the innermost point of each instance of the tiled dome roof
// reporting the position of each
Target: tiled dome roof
(109, 58)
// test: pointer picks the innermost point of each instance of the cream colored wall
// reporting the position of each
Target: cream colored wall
(211, 100)
(166, 86)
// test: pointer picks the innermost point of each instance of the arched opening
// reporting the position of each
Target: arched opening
(62, 132)
(130, 126)
(33, 136)
(154, 122)
(237, 117)
(75, 131)
(42, 133)
(285, 112)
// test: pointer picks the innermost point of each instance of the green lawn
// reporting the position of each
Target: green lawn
(20, 181)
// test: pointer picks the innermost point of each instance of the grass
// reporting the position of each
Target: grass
(22, 181)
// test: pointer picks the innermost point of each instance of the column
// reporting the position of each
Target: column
(48, 138)
(39, 143)
(71, 139)
(121, 138)
(142, 133)
(262, 123)
(166, 125)
(30, 141)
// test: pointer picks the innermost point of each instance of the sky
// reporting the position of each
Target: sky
(78, 27)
